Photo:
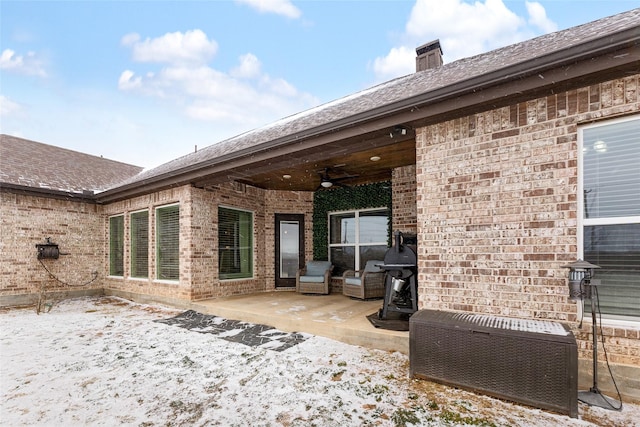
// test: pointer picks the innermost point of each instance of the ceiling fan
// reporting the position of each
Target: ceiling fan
(327, 182)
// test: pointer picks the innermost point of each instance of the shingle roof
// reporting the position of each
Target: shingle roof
(401, 89)
(34, 165)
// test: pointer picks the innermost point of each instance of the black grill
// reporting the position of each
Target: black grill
(401, 285)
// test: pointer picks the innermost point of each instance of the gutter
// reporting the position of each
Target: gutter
(87, 196)
(365, 122)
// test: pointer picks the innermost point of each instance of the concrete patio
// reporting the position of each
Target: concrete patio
(332, 316)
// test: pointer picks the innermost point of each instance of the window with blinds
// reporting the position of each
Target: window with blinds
(116, 245)
(235, 243)
(139, 224)
(168, 243)
(610, 213)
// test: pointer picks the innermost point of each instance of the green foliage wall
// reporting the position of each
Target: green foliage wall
(343, 199)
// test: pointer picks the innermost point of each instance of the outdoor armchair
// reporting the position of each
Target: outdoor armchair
(367, 283)
(314, 278)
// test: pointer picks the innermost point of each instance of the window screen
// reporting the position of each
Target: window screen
(610, 204)
(168, 242)
(235, 243)
(140, 244)
(116, 245)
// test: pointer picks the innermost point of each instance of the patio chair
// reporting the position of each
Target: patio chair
(314, 278)
(368, 283)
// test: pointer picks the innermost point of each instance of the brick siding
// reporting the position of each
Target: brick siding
(199, 239)
(403, 187)
(497, 208)
(25, 221)
(179, 290)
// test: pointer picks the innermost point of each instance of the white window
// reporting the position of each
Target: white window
(356, 237)
(609, 212)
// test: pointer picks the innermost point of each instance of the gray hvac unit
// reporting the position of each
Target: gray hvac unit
(533, 362)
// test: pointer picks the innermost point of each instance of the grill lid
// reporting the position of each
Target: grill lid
(400, 255)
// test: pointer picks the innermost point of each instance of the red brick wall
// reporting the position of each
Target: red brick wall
(497, 211)
(162, 290)
(403, 187)
(496, 202)
(75, 226)
(230, 195)
(199, 240)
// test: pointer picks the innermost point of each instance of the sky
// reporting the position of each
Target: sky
(144, 82)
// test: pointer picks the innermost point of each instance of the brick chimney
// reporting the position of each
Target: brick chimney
(429, 55)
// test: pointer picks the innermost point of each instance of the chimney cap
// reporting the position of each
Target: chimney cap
(427, 47)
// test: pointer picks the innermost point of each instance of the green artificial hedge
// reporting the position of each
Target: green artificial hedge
(344, 199)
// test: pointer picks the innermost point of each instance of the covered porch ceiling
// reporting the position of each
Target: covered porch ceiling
(348, 162)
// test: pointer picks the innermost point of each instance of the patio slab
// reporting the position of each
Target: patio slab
(332, 316)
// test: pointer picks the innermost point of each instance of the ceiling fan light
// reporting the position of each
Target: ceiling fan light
(326, 184)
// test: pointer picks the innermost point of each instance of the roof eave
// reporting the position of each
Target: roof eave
(86, 197)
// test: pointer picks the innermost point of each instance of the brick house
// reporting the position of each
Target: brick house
(499, 163)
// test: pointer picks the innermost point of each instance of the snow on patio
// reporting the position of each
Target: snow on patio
(107, 361)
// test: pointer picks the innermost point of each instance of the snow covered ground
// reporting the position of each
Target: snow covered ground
(107, 361)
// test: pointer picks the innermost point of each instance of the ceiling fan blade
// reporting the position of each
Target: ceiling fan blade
(327, 182)
(344, 178)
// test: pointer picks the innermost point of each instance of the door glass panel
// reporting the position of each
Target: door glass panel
(289, 248)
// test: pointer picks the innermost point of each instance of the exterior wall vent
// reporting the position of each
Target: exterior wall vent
(429, 56)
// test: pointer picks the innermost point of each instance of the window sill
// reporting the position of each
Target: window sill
(630, 323)
(237, 279)
(166, 282)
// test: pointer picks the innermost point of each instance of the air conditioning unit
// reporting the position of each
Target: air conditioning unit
(534, 362)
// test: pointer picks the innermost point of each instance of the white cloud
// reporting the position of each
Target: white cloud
(191, 47)
(127, 81)
(399, 61)
(279, 7)
(249, 67)
(279, 87)
(29, 64)
(538, 17)
(7, 106)
(244, 96)
(463, 28)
